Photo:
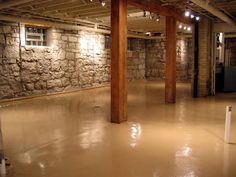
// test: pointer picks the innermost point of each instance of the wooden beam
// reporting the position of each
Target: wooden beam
(118, 61)
(7, 4)
(156, 7)
(216, 12)
(76, 27)
(170, 80)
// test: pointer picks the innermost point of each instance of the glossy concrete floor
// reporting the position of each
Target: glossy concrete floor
(70, 135)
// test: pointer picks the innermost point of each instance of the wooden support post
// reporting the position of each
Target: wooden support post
(196, 59)
(170, 80)
(118, 61)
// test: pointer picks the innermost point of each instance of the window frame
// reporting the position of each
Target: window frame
(38, 38)
(130, 43)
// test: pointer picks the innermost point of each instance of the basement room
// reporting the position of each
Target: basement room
(117, 88)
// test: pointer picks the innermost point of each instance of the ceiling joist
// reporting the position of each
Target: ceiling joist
(214, 11)
(8, 4)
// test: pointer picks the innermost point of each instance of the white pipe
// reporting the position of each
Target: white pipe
(228, 124)
(75, 27)
(203, 4)
(3, 168)
(52, 24)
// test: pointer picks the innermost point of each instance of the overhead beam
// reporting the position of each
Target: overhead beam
(214, 11)
(76, 27)
(156, 7)
(118, 61)
(11, 3)
(170, 72)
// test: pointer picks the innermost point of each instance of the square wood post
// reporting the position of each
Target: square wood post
(118, 61)
(170, 72)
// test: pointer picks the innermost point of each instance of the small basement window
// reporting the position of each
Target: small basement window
(35, 36)
(107, 42)
(130, 43)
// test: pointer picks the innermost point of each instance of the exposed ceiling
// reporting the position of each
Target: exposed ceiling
(90, 13)
(227, 6)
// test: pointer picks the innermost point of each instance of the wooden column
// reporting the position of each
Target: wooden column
(170, 80)
(118, 61)
(196, 59)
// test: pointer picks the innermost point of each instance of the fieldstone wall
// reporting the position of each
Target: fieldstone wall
(155, 59)
(10, 75)
(136, 60)
(74, 60)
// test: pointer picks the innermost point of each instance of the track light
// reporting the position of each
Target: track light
(192, 16)
(151, 16)
(148, 33)
(187, 13)
(144, 13)
(103, 3)
(154, 17)
(184, 27)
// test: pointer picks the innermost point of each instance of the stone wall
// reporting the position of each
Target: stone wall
(155, 59)
(10, 80)
(67, 65)
(74, 60)
(136, 60)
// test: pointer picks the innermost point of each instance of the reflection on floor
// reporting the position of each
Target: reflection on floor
(70, 135)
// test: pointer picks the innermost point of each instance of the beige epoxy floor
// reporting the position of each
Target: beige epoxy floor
(70, 135)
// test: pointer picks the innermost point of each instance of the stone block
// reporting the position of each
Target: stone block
(29, 86)
(73, 39)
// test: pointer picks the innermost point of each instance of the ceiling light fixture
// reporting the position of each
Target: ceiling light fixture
(103, 3)
(154, 17)
(197, 18)
(187, 13)
(185, 28)
(191, 16)
(144, 13)
(148, 33)
(189, 28)
(151, 16)
(180, 26)
(158, 18)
